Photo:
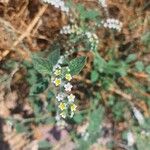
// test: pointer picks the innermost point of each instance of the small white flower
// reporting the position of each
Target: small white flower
(61, 59)
(66, 30)
(71, 98)
(138, 115)
(57, 66)
(68, 87)
(60, 96)
(112, 24)
(58, 4)
(130, 139)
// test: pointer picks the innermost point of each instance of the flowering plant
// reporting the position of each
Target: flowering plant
(91, 33)
(59, 72)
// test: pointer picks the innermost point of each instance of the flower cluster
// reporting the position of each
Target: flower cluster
(66, 30)
(70, 29)
(74, 29)
(58, 4)
(65, 99)
(113, 24)
(93, 39)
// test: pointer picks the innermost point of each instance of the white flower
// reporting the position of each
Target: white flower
(61, 59)
(57, 66)
(68, 87)
(71, 98)
(130, 138)
(112, 24)
(66, 30)
(60, 96)
(58, 4)
(138, 115)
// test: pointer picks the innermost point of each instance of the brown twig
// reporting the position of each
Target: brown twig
(31, 26)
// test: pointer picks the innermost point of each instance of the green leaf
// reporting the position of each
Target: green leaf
(44, 145)
(91, 14)
(99, 63)
(96, 118)
(131, 58)
(87, 14)
(54, 55)
(78, 118)
(124, 135)
(76, 65)
(147, 69)
(20, 128)
(37, 88)
(146, 39)
(41, 65)
(139, 66)
(142, 142)
(94, 76)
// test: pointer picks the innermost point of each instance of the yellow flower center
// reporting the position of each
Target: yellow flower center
(57, 72)
(62, 106)
(71, 97)
(68, 77)
(57, 82)
(73, 107)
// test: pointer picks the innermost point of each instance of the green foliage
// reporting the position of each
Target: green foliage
(142, 142)
(111, 67)
(108, 70)
(131, 58)
(20, 127)
(87, 14)
(139, 66)
(44, 145)
(118, 109)
(54, 56)
(76, 65)
(146, 39)
(147, 69)
(37, 83)
(78, 118)
(43, 66)
(94, 76)
(95, 119)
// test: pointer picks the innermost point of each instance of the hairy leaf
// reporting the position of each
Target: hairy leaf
(76, 65)
(41, 65)
(54, 55)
